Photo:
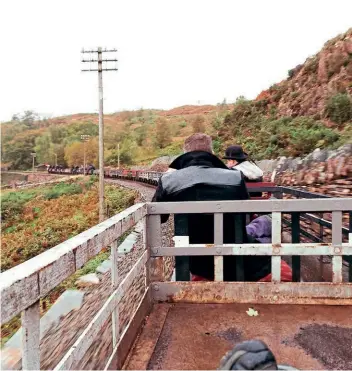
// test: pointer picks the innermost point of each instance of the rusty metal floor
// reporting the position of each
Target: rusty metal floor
(196, 336)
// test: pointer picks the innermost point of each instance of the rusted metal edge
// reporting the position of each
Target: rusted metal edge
(253, 292)
(284, 249)
(145, 344)
(24, 284)
(250, 206)
(86, 339)
(130, 333)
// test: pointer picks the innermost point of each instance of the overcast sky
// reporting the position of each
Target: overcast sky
(170, 53)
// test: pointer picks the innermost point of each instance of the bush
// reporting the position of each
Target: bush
(339, 108)
(266, 137)
(62, 189)
(12, 203)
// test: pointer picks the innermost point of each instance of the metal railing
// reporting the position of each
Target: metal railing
(24, 285)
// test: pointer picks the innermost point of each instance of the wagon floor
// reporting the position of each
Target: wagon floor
(196, 336)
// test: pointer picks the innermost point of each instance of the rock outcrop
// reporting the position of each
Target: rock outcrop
(309, 85)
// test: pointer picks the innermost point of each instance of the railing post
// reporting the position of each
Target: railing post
(218, 240)
(337, 242)
(114, 280)
(156, 264)
(276, 241)
(239, 238)
(31, 337)
(296, 260)
(350, 241)
(145, 247)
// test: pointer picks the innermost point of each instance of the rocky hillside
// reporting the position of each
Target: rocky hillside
(311, 84)
(311, 109)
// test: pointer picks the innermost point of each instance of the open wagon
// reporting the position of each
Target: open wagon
(172, 323)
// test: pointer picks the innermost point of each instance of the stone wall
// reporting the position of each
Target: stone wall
(323, 171)
(13, 180)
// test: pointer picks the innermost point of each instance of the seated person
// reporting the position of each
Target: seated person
(239, 160)
(201, 176)
(259, 230)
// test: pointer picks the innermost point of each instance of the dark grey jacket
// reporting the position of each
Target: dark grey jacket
(201, 176)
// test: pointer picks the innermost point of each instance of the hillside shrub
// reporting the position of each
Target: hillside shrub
(339, 108)
(62, 189)
(12, 203)
(268, 137)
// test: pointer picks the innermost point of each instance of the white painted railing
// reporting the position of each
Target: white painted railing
(24, 285)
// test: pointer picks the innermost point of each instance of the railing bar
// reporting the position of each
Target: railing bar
(250, 206)
(115, 322)
(144, 242)
(323, 293)
(251, 249)
(31, 337)
(304, 194)
(322, 222)
(218, 240)
(239, 238)
(337, 242)
(276, 241)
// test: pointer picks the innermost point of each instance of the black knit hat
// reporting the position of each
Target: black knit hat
(235, 153)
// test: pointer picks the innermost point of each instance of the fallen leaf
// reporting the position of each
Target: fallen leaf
(252, 312)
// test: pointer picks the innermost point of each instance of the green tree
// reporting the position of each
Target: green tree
(163, 133)
(29, 117)
(18, 150)
(44, 149)
(57, 134)
(141, 134)
(74, 153)
(339, 108)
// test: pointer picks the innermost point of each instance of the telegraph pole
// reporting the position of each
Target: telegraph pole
(34, 155)
(84, 138)
(118, 156)
(99, 60)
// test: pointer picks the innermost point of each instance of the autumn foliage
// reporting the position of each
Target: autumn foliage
(40, 223)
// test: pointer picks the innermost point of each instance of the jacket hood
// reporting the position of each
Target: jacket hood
(250, 171)
(197, 158)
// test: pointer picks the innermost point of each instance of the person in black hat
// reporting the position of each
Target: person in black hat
(239, 160)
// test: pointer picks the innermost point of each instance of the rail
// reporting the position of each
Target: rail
(24, 285)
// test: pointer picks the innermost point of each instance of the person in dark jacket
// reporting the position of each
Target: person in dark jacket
(239, 160)
(201, 176)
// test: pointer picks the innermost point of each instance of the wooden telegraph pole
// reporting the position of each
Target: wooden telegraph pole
(97, 57)
(84, 139)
